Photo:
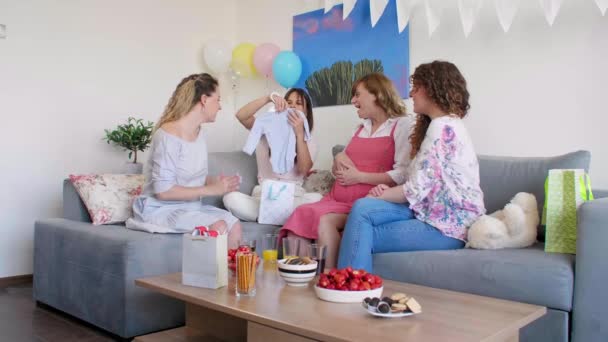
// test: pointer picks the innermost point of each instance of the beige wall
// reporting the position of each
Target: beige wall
(69, 69)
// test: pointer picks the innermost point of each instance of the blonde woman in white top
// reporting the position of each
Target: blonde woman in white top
(246, 207)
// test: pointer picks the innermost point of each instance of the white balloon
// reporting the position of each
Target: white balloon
(218, 55)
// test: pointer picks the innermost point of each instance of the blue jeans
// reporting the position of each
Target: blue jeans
(378, 226)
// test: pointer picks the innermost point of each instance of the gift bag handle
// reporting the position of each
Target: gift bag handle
(585, 185)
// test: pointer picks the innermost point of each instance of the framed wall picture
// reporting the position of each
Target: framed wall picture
(335, 52)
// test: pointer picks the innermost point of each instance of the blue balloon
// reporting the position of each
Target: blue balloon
(287, 68)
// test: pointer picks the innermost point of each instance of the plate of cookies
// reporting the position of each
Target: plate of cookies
(397, 305)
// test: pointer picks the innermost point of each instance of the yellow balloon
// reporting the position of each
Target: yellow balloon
(242, 60)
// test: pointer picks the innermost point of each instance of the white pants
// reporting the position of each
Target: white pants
(247, 207)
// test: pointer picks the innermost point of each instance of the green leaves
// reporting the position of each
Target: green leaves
(133, 136)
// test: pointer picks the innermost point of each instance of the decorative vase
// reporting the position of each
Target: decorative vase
(133, 168)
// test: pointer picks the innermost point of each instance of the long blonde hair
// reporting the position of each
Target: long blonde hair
(387, 97)
(186, 95)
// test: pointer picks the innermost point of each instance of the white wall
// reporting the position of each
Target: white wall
(69, 69)
(535, 91)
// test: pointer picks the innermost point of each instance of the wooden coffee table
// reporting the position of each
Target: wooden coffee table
(283, 313)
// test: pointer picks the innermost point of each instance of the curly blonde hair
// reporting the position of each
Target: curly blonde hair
(446, 87)
(187, 93)
(387, 96)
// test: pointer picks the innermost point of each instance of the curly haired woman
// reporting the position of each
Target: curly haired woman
(441, 198)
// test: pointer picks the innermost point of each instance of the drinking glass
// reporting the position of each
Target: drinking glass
(270, 249)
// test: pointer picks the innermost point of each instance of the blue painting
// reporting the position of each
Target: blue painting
(336, 52)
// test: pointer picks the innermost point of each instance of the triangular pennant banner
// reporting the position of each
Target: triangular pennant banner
(469, 11)
(506, 9)
(376, 8)
(404, 10)
(603, 5)
(347, 8)
(329, 4)
(551, 8)
(433, 14)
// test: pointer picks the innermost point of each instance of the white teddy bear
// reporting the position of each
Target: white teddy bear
(513, 227)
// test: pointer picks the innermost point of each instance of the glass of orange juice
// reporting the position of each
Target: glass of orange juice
(270, 249)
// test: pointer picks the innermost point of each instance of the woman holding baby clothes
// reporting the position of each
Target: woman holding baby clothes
(176, 173)
(441, 198)
(378, 153)
(246, 207)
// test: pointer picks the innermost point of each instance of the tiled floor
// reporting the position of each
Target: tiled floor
(22, 320)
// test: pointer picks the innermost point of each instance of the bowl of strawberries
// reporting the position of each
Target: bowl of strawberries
(348, 286)
(232, 257)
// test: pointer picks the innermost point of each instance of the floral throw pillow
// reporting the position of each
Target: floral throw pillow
(108, 197)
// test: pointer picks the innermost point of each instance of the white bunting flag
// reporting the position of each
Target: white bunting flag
(603, 5)
(329, 4)
(404, 10)
(347, 8)
(506, 9)
(469, 11)
(551, 8)
(433, 10)
(376, 8)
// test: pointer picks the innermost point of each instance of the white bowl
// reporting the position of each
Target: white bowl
(297, 275)
(337, 296)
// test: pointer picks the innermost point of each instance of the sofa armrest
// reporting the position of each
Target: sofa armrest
(590, 305)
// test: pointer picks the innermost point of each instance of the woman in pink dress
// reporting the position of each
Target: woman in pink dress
(377, 153)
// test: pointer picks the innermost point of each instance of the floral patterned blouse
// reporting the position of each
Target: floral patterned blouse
(443, 184)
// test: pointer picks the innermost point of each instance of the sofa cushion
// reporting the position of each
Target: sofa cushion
(526, 275)
(108, 197)
(503, 177)
(229, 163)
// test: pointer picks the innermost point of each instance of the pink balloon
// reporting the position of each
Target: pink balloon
(263, 56)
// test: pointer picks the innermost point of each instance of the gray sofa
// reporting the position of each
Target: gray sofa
(89, 271)
(576, 304)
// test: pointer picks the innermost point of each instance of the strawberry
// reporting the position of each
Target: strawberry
(331, 287)
(365, 286)
(356, 274)
(332, 272)
(339, 279)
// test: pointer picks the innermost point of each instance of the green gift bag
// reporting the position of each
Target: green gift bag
(565, 191)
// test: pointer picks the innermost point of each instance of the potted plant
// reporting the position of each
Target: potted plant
(133, 136)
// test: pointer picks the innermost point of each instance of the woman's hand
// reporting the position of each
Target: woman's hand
(341, 162)
(348, 176)
(280, 104)
(378, 190)
(225, 184)
(297, 122)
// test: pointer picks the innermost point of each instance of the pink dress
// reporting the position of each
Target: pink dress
(375, 155)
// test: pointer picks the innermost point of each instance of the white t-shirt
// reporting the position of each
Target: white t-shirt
(262, 155)
(402, 144)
